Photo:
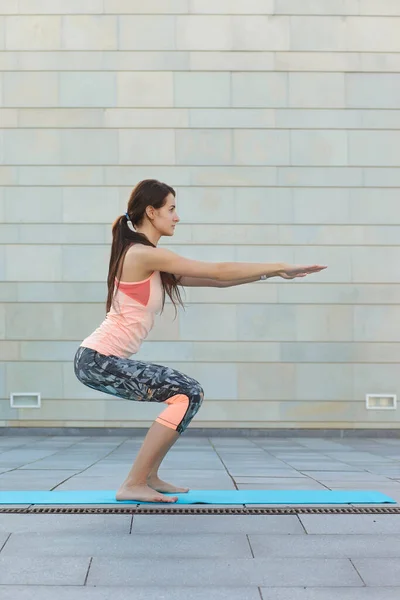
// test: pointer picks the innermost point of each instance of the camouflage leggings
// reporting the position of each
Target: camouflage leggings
(141, 381)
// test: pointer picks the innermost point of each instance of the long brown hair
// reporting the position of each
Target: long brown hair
(148, 192)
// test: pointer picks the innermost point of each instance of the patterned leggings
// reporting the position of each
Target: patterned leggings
(145, 382)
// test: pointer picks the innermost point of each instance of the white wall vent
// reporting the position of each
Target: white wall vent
(25, 400)
(381, 401)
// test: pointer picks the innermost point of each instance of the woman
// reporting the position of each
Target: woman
(139, 275)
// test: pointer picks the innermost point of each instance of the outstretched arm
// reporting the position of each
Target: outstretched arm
(204, 282)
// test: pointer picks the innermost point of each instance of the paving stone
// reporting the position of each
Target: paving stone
(344, 475)
(261, 480)
(351, 524)
(43, 571)
(213, 572)
(339, 593)
(324, 546)
(133, 593)
(58, 522)
(159, 545)
(285, 485)
(379, 571)
(283, 524)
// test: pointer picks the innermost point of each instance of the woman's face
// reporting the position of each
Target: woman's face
(166, 218)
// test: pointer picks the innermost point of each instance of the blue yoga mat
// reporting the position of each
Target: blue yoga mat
(202, 497)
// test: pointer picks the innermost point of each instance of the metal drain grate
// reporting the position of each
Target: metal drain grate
(351, 510)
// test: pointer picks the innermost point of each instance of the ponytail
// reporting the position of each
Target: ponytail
(123, 237)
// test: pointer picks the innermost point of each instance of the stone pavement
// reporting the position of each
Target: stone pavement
(201, 557)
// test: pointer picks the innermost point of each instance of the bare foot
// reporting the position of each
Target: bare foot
(162, 486)
(142, 493)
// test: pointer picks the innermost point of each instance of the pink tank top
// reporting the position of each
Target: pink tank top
(130, 319)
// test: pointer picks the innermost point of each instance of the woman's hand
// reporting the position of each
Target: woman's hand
(292, 271)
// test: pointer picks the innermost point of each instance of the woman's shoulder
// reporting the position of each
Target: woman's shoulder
(137, 248)
(133, 267)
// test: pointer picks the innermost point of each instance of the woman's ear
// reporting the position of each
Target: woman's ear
(150, 212)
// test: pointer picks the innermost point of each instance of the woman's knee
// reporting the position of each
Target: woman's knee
(196, 398)
(193, 390)
(197, 392)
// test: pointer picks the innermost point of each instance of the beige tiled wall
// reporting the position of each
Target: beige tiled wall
(278, 123)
